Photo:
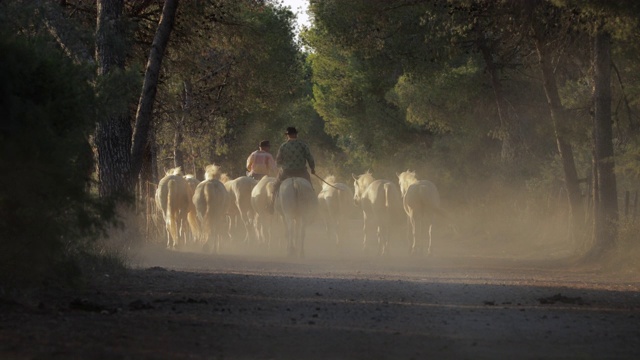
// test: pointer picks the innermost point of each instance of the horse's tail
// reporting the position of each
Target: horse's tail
(172, 207)
(296, 194)
(387, 186)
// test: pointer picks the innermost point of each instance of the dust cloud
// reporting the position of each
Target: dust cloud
(492, 225)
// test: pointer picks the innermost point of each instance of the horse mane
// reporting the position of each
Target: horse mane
(409, 176)
(368, 176)
(212, 172)
(363, 181)
(406, 178)
(224, 178)
(174, 171)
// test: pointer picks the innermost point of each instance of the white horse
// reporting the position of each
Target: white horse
(260, 195)
(240, 195)
(421, 202)
(381, 205)
(173, 201)
(335, 204)
(192, 214)
(298, 204)
(211, 200)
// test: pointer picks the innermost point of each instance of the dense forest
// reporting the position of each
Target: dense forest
(524, 113)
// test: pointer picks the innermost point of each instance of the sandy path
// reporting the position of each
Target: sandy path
(261, 305)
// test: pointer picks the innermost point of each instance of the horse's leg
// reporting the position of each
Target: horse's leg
(207, 236)
(422, 233)
(184, 229)
(248, 227)
(289, 229)
(385, 234)
(380, 235)
(245, 224)
(187, 230)
(284, 228)
(414, 233)
(292, 238)
(171, 232)
(366, 225)
(168, 232)
(266, 230)
(219, 229)
(429, 224)
(327, 227)
(409, 232)
(215, 241)
(331, 228)
(255, 228)
(302, 232)
(338, 229)
(296, 237)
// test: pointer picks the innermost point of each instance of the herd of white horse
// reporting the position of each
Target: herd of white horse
(204, 212)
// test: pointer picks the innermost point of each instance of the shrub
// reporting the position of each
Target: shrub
(46, 210)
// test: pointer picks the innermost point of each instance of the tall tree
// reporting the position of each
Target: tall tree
(605, 189)
(544, 37)
(120, 145)
(150, 86)
(113, 133)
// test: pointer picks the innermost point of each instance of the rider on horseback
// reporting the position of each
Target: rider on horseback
(292, 158)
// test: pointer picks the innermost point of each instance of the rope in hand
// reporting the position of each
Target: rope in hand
(321, 179)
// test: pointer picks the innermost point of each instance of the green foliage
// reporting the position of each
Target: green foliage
(46, 212)
(429, 102)
(117, 91)
(233, 79)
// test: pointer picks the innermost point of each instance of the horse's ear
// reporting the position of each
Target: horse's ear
(354, 177)
(398, 175)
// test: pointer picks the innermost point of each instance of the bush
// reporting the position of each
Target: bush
(46, 210)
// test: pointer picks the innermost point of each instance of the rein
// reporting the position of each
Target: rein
(321, 179)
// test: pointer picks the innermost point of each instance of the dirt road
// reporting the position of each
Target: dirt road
(178, 305)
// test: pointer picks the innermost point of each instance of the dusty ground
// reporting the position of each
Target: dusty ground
(464, 302)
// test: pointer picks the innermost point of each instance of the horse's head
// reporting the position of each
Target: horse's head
(212, 172)
(225, 178)
(360, 184)
(405, 179)
(175, 171)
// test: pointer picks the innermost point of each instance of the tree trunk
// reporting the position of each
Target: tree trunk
(558, 118)
(509, 132)
(178, 138)
(113, 132)
(150, 85)
(178, 156)
(605, 193)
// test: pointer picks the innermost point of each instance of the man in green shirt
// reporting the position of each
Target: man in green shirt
(293, 156)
